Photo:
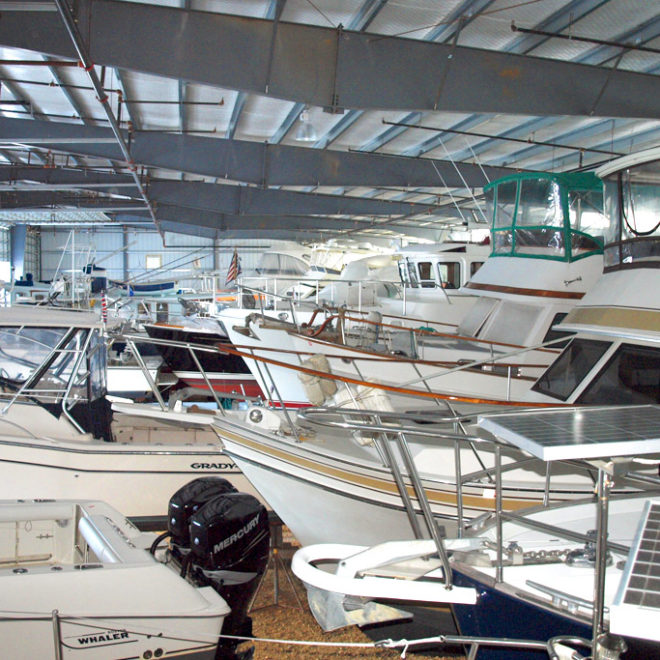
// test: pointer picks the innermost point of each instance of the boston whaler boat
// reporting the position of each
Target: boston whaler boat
(80, 581)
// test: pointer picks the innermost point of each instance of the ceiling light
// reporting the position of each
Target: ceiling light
(305, 131)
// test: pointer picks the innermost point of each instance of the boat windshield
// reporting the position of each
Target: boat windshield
(562, 377)
(547, 216)
(22, 350)
(51, 363)
(631, 376)
(632, 200)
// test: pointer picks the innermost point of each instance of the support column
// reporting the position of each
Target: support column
(18, 239)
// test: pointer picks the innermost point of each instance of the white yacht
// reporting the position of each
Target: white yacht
(340, 473)
(547, 233)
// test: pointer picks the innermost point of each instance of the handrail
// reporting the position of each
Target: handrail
(391, 388)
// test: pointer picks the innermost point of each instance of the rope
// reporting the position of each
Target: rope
(405, 644)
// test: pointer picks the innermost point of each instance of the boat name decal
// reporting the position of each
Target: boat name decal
(237, 535)
(213, 466)
(103, 638)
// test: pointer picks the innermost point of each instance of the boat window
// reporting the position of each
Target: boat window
(569, 369)
(426, 274)
(474, 320)
(506, 203)
(631, 376)
(54, 382)
(412, 274)
(553, 333)
(450, 275)
(540, 204)
(475, 266)
(22, 350)
(511, 323)
(278, 264)
(403, 272)
(632, 200)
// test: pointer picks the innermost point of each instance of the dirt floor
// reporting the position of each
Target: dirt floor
(283, 614)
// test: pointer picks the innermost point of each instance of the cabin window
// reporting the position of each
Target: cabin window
(631, 376)
(556, 334)
(412, 274)
(450, 275)
(162, 312)
(475, 266)
(570, 368)
(426, 278)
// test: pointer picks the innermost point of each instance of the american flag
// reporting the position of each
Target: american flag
(234, 269)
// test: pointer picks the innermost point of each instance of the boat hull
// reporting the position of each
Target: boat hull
(137, 479)
(226, 373)
(501, 614)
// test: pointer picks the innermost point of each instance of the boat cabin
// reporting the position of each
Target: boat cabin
(615, 357)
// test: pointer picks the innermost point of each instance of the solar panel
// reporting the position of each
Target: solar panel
(636, 607)
(580, 432)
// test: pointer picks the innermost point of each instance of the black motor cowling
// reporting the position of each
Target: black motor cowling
(226, 545)
(230, 544)
(187, 501)
(231, 532)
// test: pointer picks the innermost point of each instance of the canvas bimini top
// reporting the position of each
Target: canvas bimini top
(545, 215)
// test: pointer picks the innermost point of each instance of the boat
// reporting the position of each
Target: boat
(226, 373)
(80, 580)
(333, 462)
(546, 231)
(551, 579)
(431, 279)
(61, 436)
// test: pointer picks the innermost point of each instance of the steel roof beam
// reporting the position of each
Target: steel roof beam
(243, 200)
(209, 232)
(252, 162)
(225, 222)
(20, 199)
(130, 35)
(65, 177)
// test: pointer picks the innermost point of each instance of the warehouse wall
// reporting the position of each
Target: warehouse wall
(124, 253)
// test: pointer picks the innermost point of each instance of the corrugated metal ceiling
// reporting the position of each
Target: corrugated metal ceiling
(145, 103)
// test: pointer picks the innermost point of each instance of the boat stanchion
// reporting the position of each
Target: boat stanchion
(57, 637)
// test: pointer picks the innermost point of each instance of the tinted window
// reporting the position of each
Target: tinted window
(426, 274)
(556, 334)
(475, 266)
(568, 370)
(631, 376)
(450, 275)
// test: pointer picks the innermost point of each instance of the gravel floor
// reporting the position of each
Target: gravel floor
(287, 620)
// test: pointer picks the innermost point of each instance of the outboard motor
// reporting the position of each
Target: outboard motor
(229, 547)
(184, 504)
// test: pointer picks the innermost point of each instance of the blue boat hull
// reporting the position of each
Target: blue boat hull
(498, 614)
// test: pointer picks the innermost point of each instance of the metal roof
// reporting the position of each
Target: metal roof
(186, 113)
